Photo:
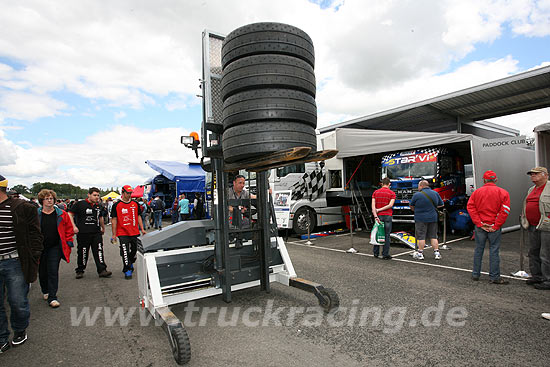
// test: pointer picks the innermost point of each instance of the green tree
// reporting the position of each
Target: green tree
(22, 189)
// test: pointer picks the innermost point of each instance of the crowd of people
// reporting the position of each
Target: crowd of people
(488, 207)
(35, 235)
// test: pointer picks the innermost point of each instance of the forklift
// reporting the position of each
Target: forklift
(196, 259)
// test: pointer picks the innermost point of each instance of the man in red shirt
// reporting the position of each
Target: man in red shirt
(536, 219)
(127, 224)
(382, 203)
(489, 206)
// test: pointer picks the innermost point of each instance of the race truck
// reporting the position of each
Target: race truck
(440, 166)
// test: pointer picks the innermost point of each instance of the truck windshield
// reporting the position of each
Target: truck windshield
(419, 169)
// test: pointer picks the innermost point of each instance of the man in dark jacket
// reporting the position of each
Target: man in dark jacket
(20, 250)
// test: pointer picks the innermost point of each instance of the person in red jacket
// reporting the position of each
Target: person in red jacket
(489, 206)
(58, 233)
(127, 224)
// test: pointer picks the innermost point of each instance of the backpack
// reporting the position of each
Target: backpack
(154, 205)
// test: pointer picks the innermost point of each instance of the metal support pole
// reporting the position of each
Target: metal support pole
(444, 246)
(221, 248)
(308, 222)
(265, 234)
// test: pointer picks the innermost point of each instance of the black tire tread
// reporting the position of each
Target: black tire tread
(267, 71)
(267, 38)
(182, 348)
(269, 104)
(256, 139)
(333, 298)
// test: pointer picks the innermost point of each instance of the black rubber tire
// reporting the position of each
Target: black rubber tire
(333, 299)
(180, 344)
(267, 71)
(267, 38)
(300, 220)
(262, 138)
(269, 104)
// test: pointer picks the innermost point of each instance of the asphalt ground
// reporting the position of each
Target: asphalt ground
(429, 313)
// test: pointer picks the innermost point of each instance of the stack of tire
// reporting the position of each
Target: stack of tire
(268, 91)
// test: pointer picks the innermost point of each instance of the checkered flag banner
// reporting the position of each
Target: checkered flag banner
(310, 186)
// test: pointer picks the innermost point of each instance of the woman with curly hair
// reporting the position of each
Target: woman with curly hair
(58, 239)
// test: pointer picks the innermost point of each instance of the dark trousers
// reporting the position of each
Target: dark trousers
(85, 242)
(184, 216)
(128, 251)
(387, 220)
(539, 254)
(48, 271)
(175, 216)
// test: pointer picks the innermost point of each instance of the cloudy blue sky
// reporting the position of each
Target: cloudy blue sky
(89, 90)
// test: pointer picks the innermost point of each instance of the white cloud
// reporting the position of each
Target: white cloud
(8, 155)
(114, 157)
(26, 106)
(125, 53)
(120, 115)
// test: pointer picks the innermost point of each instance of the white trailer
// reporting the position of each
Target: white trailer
(359, 154)
(542, 145)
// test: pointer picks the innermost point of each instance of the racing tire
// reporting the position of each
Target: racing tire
(269, 104)
(180, 344)
(301, 221)
(267, 38)
(263, 138)
(267, 71)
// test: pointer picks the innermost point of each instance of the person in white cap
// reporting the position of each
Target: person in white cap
(535, 218)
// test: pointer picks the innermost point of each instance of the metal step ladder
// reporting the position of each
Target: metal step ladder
(360, 207)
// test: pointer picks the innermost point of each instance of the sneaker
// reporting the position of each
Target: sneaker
(499, 281)
(474, 278)
(351, 250)
(546, 315)
(542, 286)
(5, 346)
(45, 296)
(387, 257)
(105, 274)
(128, 274)
(418, 256)
(19, 337)
(377, 256)
(437, 255)
(55, 304)
(79, 275)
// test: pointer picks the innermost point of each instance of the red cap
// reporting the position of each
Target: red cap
(489, 175)
(127, 188)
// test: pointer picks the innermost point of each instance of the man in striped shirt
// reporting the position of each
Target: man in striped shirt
(20, 250)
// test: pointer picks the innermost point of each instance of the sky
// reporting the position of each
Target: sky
(90, 90)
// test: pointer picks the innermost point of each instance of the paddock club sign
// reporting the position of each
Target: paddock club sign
(505, 143)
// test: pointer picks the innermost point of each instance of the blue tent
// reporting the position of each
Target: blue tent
(188, 177)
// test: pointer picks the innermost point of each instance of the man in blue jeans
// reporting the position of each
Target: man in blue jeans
(20, 250)
(489, 206)
(382, 204)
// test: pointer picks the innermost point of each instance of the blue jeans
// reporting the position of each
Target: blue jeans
(157, 217)
(48, 271)
(387, 220)
(13, 280)
(494, 249)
